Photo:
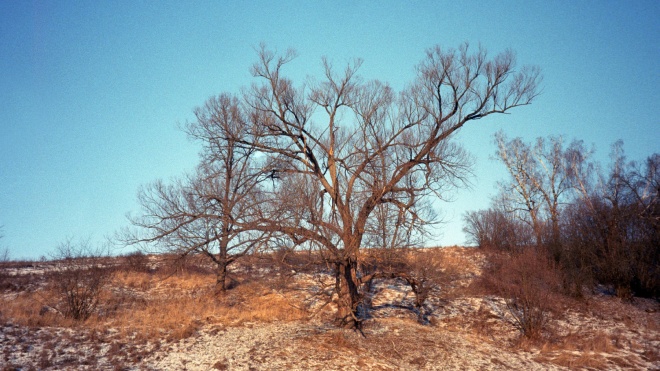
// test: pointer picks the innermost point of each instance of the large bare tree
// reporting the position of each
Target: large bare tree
(342, 148)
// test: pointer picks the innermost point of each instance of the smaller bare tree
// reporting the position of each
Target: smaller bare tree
(208, 213)
(496, 229)
(4, 251)
(421, 270)
(5, 281)
(543, 180)
(4, 254)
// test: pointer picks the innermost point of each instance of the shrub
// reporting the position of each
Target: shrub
(421, 269)
(495, 229)
(528, 283)
(79, 279)
(136, 262)
(616, 246)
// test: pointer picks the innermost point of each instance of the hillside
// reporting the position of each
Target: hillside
(155, 318)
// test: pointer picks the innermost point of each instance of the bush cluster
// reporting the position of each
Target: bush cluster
(605, 231)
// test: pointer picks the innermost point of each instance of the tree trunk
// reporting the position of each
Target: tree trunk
(555, 240)
(223, 261)
(348, 294)
(221, 277)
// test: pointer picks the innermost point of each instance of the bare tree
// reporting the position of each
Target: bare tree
(495, 228)
(4, 251)
(617, 223)
(209, 212)
(519, 196)
(354, 145)
(598, 227)
(542, 180)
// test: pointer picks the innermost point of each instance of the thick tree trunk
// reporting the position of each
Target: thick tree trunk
(221, 277)
(347, 287)
(555, 240)
(222, 261)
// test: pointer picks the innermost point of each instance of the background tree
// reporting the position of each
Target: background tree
(4, 251)
(542, 180)
(519, 197)
(209, 212)
(615, 223)
(494, 228)
(598, 227)
(356, 145)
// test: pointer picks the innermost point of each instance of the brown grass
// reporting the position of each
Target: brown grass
(582, 360)
(583, 350)
(599, 342)
(190, 302)
(145, 310)
(146, 307)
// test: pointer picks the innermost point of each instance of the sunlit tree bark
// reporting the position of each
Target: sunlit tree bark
(543, 177)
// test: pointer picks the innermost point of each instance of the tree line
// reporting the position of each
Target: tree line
(598, 225)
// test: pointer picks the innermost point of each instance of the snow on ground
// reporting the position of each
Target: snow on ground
(465, 331)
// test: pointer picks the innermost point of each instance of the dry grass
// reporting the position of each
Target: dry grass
(179, 305)
(599, 342)
(147, 312)
(147, 307)
(140, 313)
(590, 360)
(579, 350)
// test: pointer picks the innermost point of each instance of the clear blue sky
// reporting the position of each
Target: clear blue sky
(92, 92)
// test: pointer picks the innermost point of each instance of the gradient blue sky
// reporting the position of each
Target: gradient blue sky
(92, 92)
